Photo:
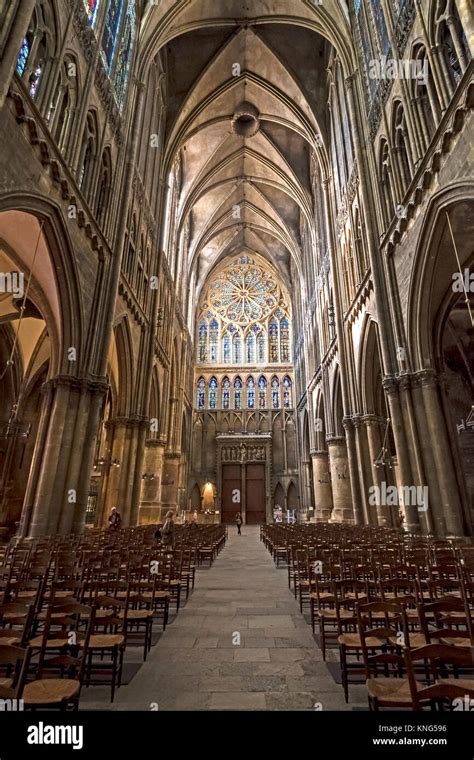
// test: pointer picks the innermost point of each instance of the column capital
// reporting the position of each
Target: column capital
(81, 384)
(390, 385)
(373, 419)
(335, 440)
(425, 377)
(318, 453)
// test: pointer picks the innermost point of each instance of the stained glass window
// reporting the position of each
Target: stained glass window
(286, 392)
(201, 393)
(234, 311)
(365, 41)
(237, 393)
(202, 342)
(273, 332)
(213, 340)
(35, 79)
(250, 348)
(226, 393)
(213, 387)
(23, 57)
(244, 292)
(111, 31)
(275, 393)
(91, 8)
(381, 26)
(125, 55)
(262, 393)
(237, 343)
(285, 340)
(250, 393)
(227, 348)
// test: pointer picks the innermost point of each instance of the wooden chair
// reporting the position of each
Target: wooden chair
(442, 663)
(385, 670)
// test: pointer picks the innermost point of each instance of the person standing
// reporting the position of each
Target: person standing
(238, 522)
(167, 532)
(114, 519)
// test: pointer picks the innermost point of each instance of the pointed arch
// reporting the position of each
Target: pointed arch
(125, 363)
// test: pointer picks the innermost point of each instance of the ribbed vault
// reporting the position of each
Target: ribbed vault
(247, 109)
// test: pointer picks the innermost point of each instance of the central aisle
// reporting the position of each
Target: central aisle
(200, 664)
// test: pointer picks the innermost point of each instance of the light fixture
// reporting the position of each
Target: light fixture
(147, 476)
(12, 428)
(104, 462)
(384, 458)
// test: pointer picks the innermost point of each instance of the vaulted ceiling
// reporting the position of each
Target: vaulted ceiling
(247, 106)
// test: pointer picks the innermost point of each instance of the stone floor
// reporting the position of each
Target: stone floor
(240, 643)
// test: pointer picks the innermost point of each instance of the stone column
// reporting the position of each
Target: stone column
(350, 427)
(56, 496)
(341, 482)
(466, 13)
(369, 515)
(170, 482)
(322, 486)
(442, 480)
(408, 467)
(373, 426)
(150, 497)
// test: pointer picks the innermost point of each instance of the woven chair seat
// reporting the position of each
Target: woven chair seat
(50, 691)
(391, 689)
(106, 640)
(137, 614)
(352, 641)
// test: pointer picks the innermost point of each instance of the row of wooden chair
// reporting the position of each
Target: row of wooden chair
(385, 600)
(70, 606)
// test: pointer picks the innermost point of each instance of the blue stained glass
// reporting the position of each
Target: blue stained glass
(201, 393)
(213, 393)
(23, 57)
(125, 55)
(381, 26)
(367, 52)
(213, 340)
(202, 342)
(250, 393)
(91, 9)
(275, 393)
(226, 393)
(238, 393)
(286, 392)
(357, 4)
(112, 25)
(262, 393)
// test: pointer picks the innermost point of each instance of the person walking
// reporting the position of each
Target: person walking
(238, 522)
(167, 532)
(114, 520)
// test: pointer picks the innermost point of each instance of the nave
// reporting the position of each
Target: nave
(328, 618)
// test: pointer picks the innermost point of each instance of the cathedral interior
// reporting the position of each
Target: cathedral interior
(237, 277)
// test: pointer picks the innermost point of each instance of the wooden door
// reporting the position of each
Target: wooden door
(231, 489)
(255, 494)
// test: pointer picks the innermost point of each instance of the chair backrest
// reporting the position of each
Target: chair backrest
(436, 658)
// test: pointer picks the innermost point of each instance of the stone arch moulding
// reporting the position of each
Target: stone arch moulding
(432, 273)
(68, 323)
(369, 360)
(125, 361)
